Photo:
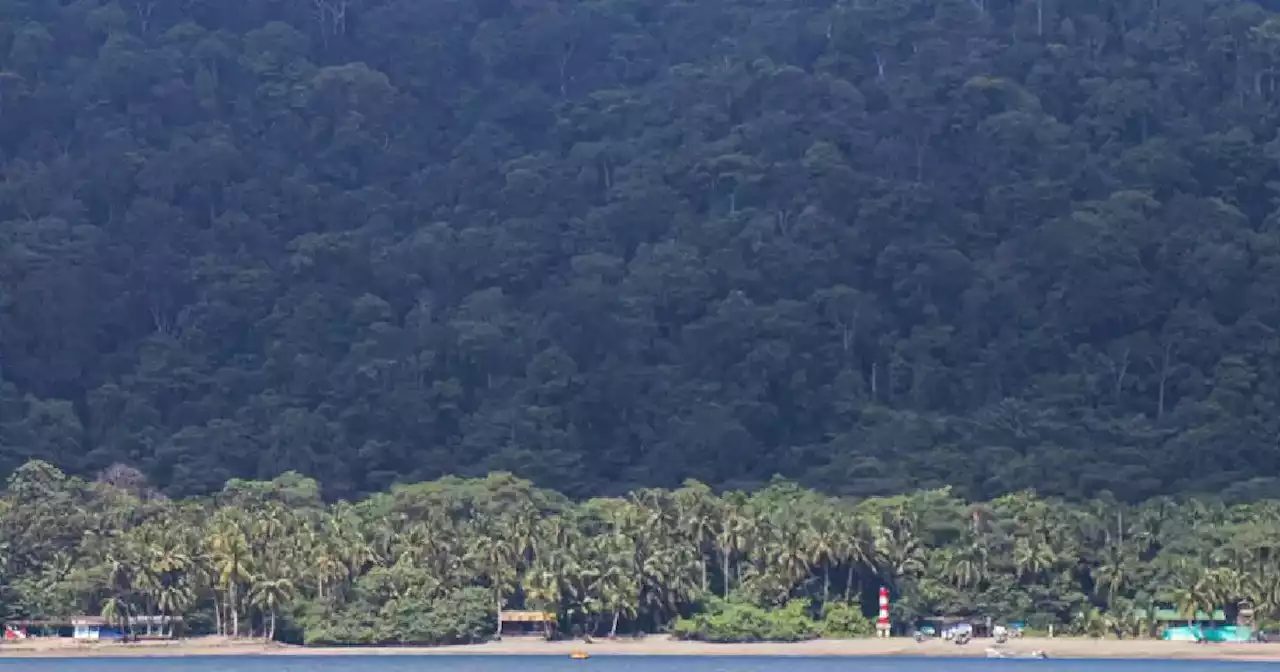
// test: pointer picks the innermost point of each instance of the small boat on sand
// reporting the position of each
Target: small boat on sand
(998, 653)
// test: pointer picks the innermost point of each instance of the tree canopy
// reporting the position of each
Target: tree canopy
(873, 245)
(432, 563)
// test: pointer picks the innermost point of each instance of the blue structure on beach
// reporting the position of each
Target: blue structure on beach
(1200, 627)
(93, 629)
(1207, 633)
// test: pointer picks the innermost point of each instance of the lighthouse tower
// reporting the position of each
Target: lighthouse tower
(882, 621)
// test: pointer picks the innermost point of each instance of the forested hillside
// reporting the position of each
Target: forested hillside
(874, 245)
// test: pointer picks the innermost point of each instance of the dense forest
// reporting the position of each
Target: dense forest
(432, 562)
(871, 245)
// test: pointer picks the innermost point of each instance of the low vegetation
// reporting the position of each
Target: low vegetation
(734, 620)
(728, 622)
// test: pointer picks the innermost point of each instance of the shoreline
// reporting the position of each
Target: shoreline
(1060, 647)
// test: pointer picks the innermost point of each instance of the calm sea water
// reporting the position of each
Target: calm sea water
(604, 663)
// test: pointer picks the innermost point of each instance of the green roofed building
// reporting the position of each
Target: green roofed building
(1174, 616)
(1176, 626)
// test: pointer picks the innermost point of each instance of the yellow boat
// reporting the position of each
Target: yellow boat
(579, 655)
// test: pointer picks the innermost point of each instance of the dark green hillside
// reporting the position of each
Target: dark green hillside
(874, 245)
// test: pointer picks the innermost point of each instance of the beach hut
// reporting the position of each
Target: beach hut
(94, 629)
(1202, 626)
(526, 623)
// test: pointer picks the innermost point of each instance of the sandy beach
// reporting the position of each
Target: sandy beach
(1061, 647)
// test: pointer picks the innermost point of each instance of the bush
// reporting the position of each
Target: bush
(844, 621)
(730, 622)
(464, 616)
(347, 626)
(793, 622)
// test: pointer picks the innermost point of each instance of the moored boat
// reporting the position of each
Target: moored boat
(998, 653)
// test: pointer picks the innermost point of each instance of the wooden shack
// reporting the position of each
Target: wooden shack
(526, 623)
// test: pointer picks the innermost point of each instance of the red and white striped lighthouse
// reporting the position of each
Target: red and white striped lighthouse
(882, 621)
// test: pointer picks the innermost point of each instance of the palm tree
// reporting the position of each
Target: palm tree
(785, 554)
(899, 550)
(115, 610)
(1092, 622)
(822, 546)
(968, 564)
(730, 539)
(327, 568)
(120, 581)
(172, 600)
(268, 595)
(542, 587)
(857, 550)
(1196, 592)
(616, 583)
(1032, 556)
(232, 566)
(1223, 587)
(163, 578)
(697, 520)
(1113, 575)
(498, 559)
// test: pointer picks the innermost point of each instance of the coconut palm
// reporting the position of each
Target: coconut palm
(822, 539)
(229, 549)
(967, 565)
(542, 587)
(1114, 575)
(268, 595)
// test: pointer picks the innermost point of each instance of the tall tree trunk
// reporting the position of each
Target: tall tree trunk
(848, 585)
(235, 611)
(727, 579)
(497, 602)
(826, 583)
(613, 630)
(271, 631)
(217, 614)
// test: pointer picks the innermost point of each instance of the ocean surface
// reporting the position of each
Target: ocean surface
(602, 663)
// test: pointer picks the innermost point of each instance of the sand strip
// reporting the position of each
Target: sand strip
(661, 646)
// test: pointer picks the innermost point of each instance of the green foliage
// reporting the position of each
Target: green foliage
(873, 246)
(432, 563)
(845, 621)
(463, 616)
(731, 621)
(734, 620)
(347, 627)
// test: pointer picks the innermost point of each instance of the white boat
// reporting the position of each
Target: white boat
(997, 653)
